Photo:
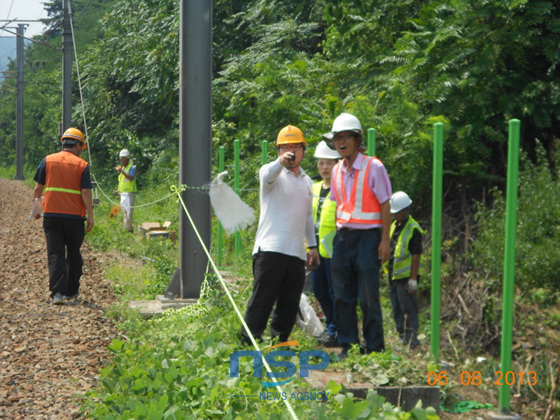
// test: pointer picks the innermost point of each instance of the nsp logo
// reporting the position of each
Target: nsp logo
(271, 356)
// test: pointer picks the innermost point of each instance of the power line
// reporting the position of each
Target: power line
(10, 9)
(44, 44)
(83, 10)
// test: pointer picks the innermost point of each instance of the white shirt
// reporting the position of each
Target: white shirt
(286, 217)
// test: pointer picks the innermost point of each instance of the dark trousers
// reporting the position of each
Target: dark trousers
(278, 280)
(64, 238)
(323, 290)
(405, 311)
(355, 274)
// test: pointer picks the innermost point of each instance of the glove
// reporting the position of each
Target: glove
(412, 286)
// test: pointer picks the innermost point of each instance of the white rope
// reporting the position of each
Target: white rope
(141, 205)
(223, 283)
(80, 84)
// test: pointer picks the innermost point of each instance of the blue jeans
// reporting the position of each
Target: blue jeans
(323, 290)
(355, 274)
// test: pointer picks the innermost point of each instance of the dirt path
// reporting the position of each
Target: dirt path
(49, 355)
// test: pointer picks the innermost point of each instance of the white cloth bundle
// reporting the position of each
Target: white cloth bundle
(307, 319)
(230, 210)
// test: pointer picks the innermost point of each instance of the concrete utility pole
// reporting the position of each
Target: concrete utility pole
(195, 143)
(19, 102)
(67, 46)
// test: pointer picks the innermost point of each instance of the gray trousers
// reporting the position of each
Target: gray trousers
(405, 311)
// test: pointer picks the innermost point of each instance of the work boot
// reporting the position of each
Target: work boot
(74, 296)
(57, 299)
(344, 353)
(328, 340)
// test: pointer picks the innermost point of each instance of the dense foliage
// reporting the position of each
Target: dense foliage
(399, 66)
(538, 256)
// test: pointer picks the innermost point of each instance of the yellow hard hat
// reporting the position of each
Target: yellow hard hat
(290, 135)
(74, 134)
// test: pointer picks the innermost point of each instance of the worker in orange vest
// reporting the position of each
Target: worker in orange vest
(362, 190)
(65, 179)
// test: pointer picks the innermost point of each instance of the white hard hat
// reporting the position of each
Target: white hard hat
(346, 122)
(325, 152)
(124, 153)
(399, 201)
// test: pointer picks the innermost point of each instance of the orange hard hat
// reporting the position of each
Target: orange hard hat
(290, 135)
(74, 134)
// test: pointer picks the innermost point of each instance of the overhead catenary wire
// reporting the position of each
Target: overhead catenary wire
(10, 9)
(79, 83)
(44, 44)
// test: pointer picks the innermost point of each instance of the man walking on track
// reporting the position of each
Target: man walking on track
(65, 179)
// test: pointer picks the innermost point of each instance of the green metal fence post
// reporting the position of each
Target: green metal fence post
(436, 238)
(236, 188)
(509, 258)
(220, 227)
(264, 152)
(371, 142)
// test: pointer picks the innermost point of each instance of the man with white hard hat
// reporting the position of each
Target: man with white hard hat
(403, 267)
(127, 187)
(324, 215)
(362, 190)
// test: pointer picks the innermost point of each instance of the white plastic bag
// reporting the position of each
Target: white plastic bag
(230, 210)
(37, 210)
(307, 319)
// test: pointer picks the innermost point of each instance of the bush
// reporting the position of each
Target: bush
(538, 232)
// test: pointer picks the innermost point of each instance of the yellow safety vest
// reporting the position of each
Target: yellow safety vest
(125, 185)
(327, 222)
(402, 263)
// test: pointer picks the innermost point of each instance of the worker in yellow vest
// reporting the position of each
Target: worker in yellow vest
(127, 187)
(324, 215)
(403, 267)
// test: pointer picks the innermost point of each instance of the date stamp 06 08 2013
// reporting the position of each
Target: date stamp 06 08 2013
(475, 378)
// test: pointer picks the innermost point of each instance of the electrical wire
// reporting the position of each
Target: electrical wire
(83, 10)
(79, 83)
(10, 9)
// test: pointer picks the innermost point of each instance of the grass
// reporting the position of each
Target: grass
(208, 328)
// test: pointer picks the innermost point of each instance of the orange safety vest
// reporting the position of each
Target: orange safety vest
(363, 206)
(63, 184)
